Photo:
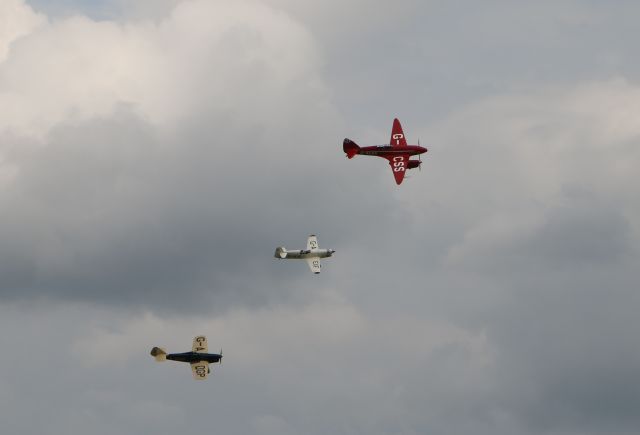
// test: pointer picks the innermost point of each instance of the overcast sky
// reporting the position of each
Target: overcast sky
(154, 153)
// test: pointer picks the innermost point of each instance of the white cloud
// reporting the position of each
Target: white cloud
(518, 157)
(238, 57)
(17, 19)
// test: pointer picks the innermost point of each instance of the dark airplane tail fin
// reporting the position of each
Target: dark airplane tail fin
(350, 147)
(159, 354)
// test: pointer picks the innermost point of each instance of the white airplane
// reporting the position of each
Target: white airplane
(199, 358)
(312, 254)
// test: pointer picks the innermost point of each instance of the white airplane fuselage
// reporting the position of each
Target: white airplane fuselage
(283, 253)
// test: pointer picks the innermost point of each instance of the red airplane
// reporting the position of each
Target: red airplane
(397, 152)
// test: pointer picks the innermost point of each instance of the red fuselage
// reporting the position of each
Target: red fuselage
(388, 150)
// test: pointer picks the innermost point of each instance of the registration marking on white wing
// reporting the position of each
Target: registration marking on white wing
(200, 370)
(312, 242)
(200, 344)
(314, 264)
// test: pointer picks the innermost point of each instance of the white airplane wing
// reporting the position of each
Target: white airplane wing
(200, 370)
(200, 344)
(314, 264)
(312, 242)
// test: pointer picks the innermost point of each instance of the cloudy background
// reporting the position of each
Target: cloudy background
(154, 153)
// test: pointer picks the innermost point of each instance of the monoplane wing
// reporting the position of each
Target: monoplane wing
(200, 370)
(200, 344)
(397, 136)
(312, 242)
(314, 264)
(399, 165)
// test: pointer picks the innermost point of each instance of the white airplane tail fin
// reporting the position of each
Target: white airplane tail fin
(159, 354)
(281, 252)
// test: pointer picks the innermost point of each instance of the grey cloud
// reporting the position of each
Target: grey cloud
(563, 327)
(588, 236)
(423, 60)
(495, 292)
(578, 235)
(121, 208)
(108, 211)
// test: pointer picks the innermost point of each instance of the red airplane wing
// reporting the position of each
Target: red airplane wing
(399, 165)
(397, 135)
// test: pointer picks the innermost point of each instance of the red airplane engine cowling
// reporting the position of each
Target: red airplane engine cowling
(414, 164)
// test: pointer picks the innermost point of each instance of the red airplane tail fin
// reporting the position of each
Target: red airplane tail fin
(350, 147)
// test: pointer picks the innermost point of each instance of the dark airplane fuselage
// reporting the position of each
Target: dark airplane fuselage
(191, 357)
(388, 150)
